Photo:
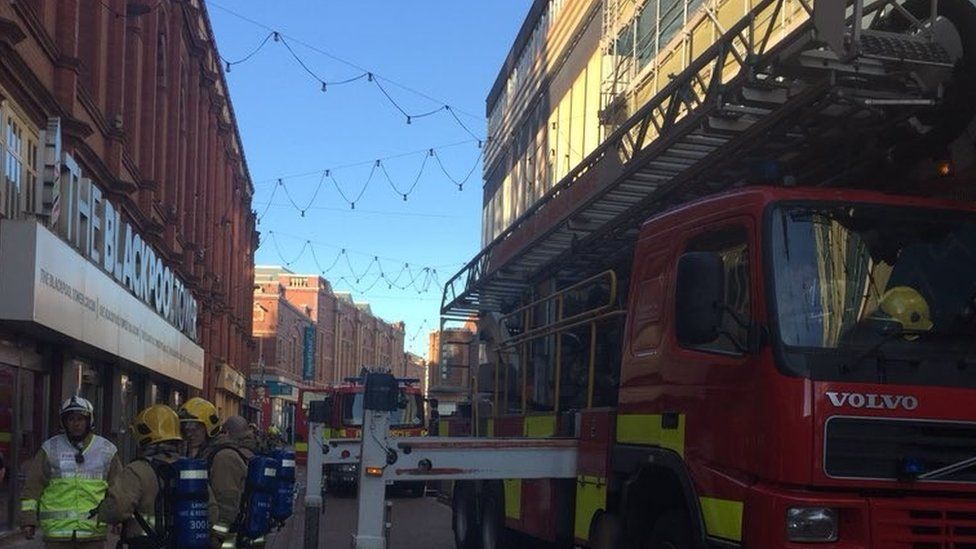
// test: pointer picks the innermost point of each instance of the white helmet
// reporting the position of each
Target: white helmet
(80, 405)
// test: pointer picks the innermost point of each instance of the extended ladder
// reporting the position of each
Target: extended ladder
(811, 108)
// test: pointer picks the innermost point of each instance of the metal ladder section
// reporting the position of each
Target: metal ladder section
(744, 106)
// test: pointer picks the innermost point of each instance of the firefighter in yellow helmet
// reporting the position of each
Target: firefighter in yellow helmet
(227, 460)
(906, 306)
(67, 479)
(136, 490)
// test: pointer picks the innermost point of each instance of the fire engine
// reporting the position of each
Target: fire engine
(747, 319)
(346, 422)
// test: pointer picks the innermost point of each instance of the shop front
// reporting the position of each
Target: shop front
(276, 398)
(230, 393)
(70, 327)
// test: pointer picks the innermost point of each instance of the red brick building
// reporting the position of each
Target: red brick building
(415, 367)
(280, 332)
(126, 230)
(347, 334)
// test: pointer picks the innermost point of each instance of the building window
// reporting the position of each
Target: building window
(20, 156)
(294, 354)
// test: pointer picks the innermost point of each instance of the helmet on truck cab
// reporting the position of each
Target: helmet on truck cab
(906, 306)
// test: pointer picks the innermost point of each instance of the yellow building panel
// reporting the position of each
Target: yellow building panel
(702, 37)
(591, 129)
(731, 12)
(562, 136)
(552, 152)
(763, 23)
(577, 120)
(671, 66)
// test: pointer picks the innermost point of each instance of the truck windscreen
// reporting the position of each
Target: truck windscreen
(410, 414)
(873, 284)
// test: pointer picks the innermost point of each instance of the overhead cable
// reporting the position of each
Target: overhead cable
(369, 75)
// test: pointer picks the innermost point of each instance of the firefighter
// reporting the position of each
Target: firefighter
(274, 437)
(67, 479)
(200, 424)
(237, 428)
(137, 489)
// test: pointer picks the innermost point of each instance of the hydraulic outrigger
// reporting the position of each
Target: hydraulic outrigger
(383, 458)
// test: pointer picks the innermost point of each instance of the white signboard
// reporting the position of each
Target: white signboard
(44, 280)
(95, 227)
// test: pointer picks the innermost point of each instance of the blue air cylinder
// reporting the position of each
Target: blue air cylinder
(191, 499)
(259, 488)
(281, 507)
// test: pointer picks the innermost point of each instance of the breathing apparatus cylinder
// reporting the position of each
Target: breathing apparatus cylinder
(282, 506)
(260, 486)
(190, 503)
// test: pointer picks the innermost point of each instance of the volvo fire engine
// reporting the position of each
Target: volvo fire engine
(747, 319)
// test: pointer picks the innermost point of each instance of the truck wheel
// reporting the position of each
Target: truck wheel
(672, 530)
(493, 534)
(464, 516)
(607, 532)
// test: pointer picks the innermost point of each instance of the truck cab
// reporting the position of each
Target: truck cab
(798, 362)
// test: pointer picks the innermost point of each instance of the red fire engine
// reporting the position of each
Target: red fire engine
(346, 406)
(753, 307)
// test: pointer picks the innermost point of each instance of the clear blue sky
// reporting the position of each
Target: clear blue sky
(446, 49)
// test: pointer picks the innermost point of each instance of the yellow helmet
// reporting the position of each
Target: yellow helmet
(906, 306)
(202, 410)
(157, 423)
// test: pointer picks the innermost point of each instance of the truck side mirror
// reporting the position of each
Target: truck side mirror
(698, 297)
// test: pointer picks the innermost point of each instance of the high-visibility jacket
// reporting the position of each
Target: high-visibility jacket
(69, 490)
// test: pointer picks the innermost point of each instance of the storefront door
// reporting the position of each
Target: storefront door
(22, 430)
(7, 379)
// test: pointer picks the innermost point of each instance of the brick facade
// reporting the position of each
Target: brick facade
(279, 332)
(114, 114)
(348, 335)
(144, 110)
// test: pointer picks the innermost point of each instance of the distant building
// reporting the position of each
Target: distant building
(451, 353)
(415, 367)
(347, 334)
(280, 331)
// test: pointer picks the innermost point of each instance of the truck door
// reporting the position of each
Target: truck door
(712, 381)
